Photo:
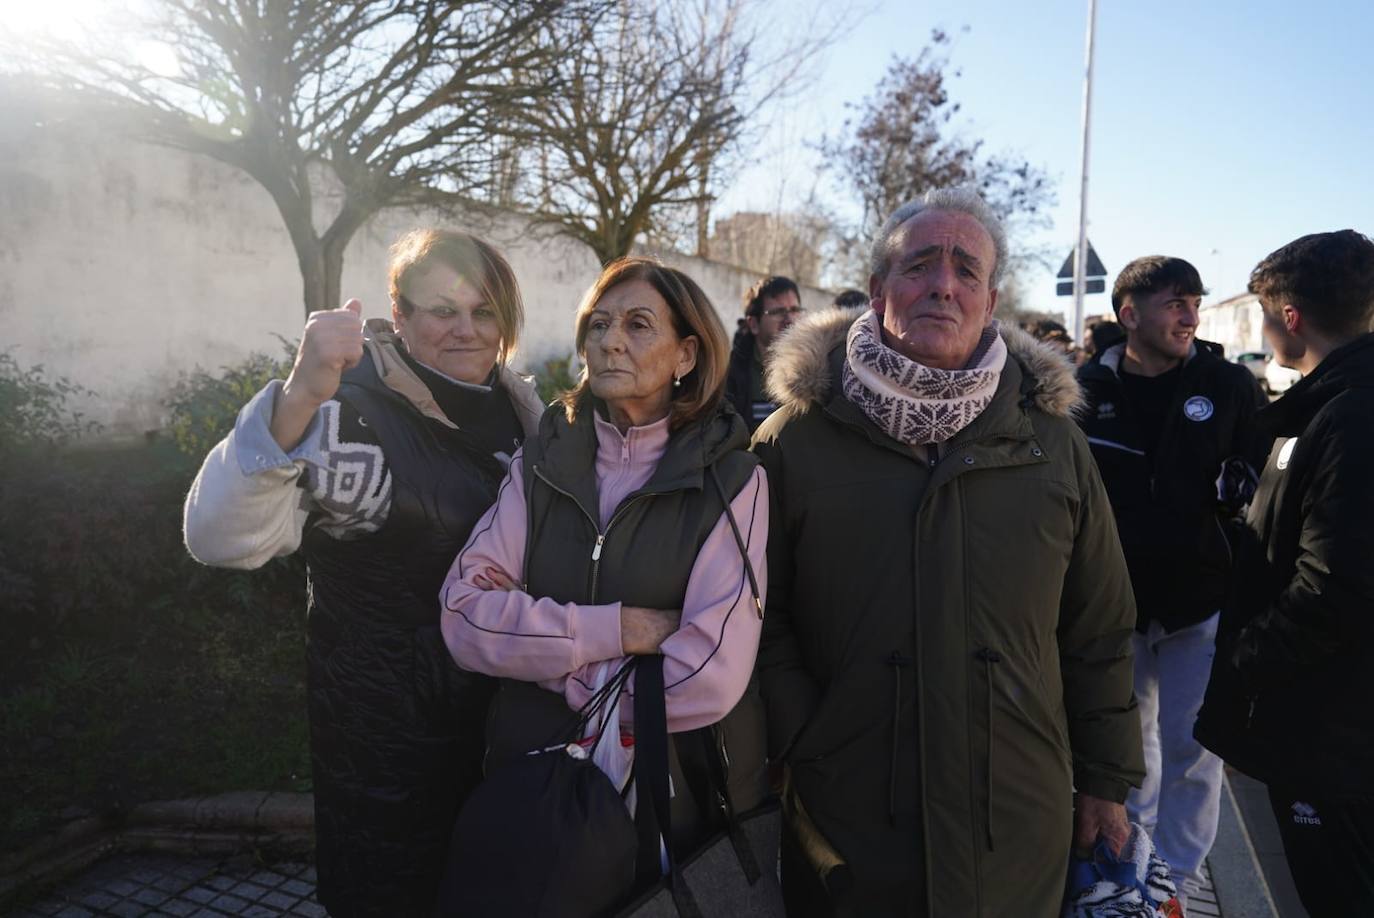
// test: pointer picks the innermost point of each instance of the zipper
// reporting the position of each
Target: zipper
(1112, 444)
(600, 533)
(1225, 541)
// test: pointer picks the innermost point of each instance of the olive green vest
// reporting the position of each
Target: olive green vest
(643, 557)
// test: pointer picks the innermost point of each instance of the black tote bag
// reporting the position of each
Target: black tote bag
(733, 873)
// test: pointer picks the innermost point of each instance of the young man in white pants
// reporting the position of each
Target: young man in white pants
(1170, 425)
(1178, 803)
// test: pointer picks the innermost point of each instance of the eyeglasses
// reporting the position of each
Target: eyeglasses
(783, 311)
(443, 310)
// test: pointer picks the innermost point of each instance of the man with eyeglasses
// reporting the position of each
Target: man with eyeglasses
(770, 306)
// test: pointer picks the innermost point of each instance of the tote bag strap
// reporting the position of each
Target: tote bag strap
(653, 817)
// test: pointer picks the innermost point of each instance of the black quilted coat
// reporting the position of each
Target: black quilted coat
(396, 728)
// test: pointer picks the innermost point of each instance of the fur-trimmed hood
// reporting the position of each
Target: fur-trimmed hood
(799, 372)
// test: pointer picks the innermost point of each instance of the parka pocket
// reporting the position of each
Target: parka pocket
(991, 660)
(1026, 743)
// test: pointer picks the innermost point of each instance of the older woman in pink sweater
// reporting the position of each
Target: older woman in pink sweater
(633, 522)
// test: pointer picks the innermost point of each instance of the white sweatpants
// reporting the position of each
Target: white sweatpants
(1179, 802)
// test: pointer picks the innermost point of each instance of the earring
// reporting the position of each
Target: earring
(677, 382)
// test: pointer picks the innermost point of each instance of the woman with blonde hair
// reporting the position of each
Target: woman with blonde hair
(374, 458)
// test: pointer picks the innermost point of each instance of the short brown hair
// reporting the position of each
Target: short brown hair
(693, 315)
(767, 288)
(475, 261)
(1152, 274)
(1328, 277)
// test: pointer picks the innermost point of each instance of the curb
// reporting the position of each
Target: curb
(281, 824)
(1237, 876)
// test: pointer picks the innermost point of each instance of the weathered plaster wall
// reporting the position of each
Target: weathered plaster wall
(124, 265)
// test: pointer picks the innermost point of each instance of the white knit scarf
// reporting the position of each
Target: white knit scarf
(913, 403)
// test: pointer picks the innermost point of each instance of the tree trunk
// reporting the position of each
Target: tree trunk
(310, 257)
(350, 219)
(704, 204)
(333, 278)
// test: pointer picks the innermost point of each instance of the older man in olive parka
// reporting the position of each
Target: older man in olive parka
(946, 654)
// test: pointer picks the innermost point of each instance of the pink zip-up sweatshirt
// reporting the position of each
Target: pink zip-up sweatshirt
(707, 662)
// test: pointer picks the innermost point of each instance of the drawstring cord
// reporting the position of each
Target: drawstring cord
(989, 657)
(898, 662)
(739, 541)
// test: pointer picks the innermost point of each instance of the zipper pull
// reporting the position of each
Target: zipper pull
(1250, 715)
(596, 549)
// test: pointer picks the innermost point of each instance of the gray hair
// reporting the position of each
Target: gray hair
(959, 199)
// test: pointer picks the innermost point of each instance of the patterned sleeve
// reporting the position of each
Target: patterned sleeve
(252, 500)
(345, 476)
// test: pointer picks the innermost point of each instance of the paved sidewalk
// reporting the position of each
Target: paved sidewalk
(1246, 874)
(1252, 799)
(127, 885)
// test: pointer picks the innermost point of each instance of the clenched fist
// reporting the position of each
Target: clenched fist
(331, 343)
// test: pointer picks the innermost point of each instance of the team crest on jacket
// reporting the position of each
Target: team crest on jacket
(1198, 408)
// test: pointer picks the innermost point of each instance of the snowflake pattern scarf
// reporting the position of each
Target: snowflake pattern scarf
(912, 403)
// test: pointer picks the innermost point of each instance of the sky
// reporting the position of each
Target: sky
(1221, 129)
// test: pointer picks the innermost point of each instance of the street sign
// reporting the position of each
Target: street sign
(1094, 280)
(1095, 266)
(1090, 285)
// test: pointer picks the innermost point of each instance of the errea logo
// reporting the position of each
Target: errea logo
(1305, 814)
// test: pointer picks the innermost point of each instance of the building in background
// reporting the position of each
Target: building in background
(1236, 323)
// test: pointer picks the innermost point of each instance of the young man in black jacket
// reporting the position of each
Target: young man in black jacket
(771, 305)
(1292, 695)
(1170, 425)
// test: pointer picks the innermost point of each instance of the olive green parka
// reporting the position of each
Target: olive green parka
(947, 646)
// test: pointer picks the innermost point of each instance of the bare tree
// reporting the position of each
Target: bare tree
(901, 143)
(400, 102)
(639, 131)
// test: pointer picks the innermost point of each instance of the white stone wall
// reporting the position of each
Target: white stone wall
(124, 265)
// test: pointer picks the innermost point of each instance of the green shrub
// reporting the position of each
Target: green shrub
(554, 378)
(92, 539)
(33, 408)
(126, 667)
(204, 405)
